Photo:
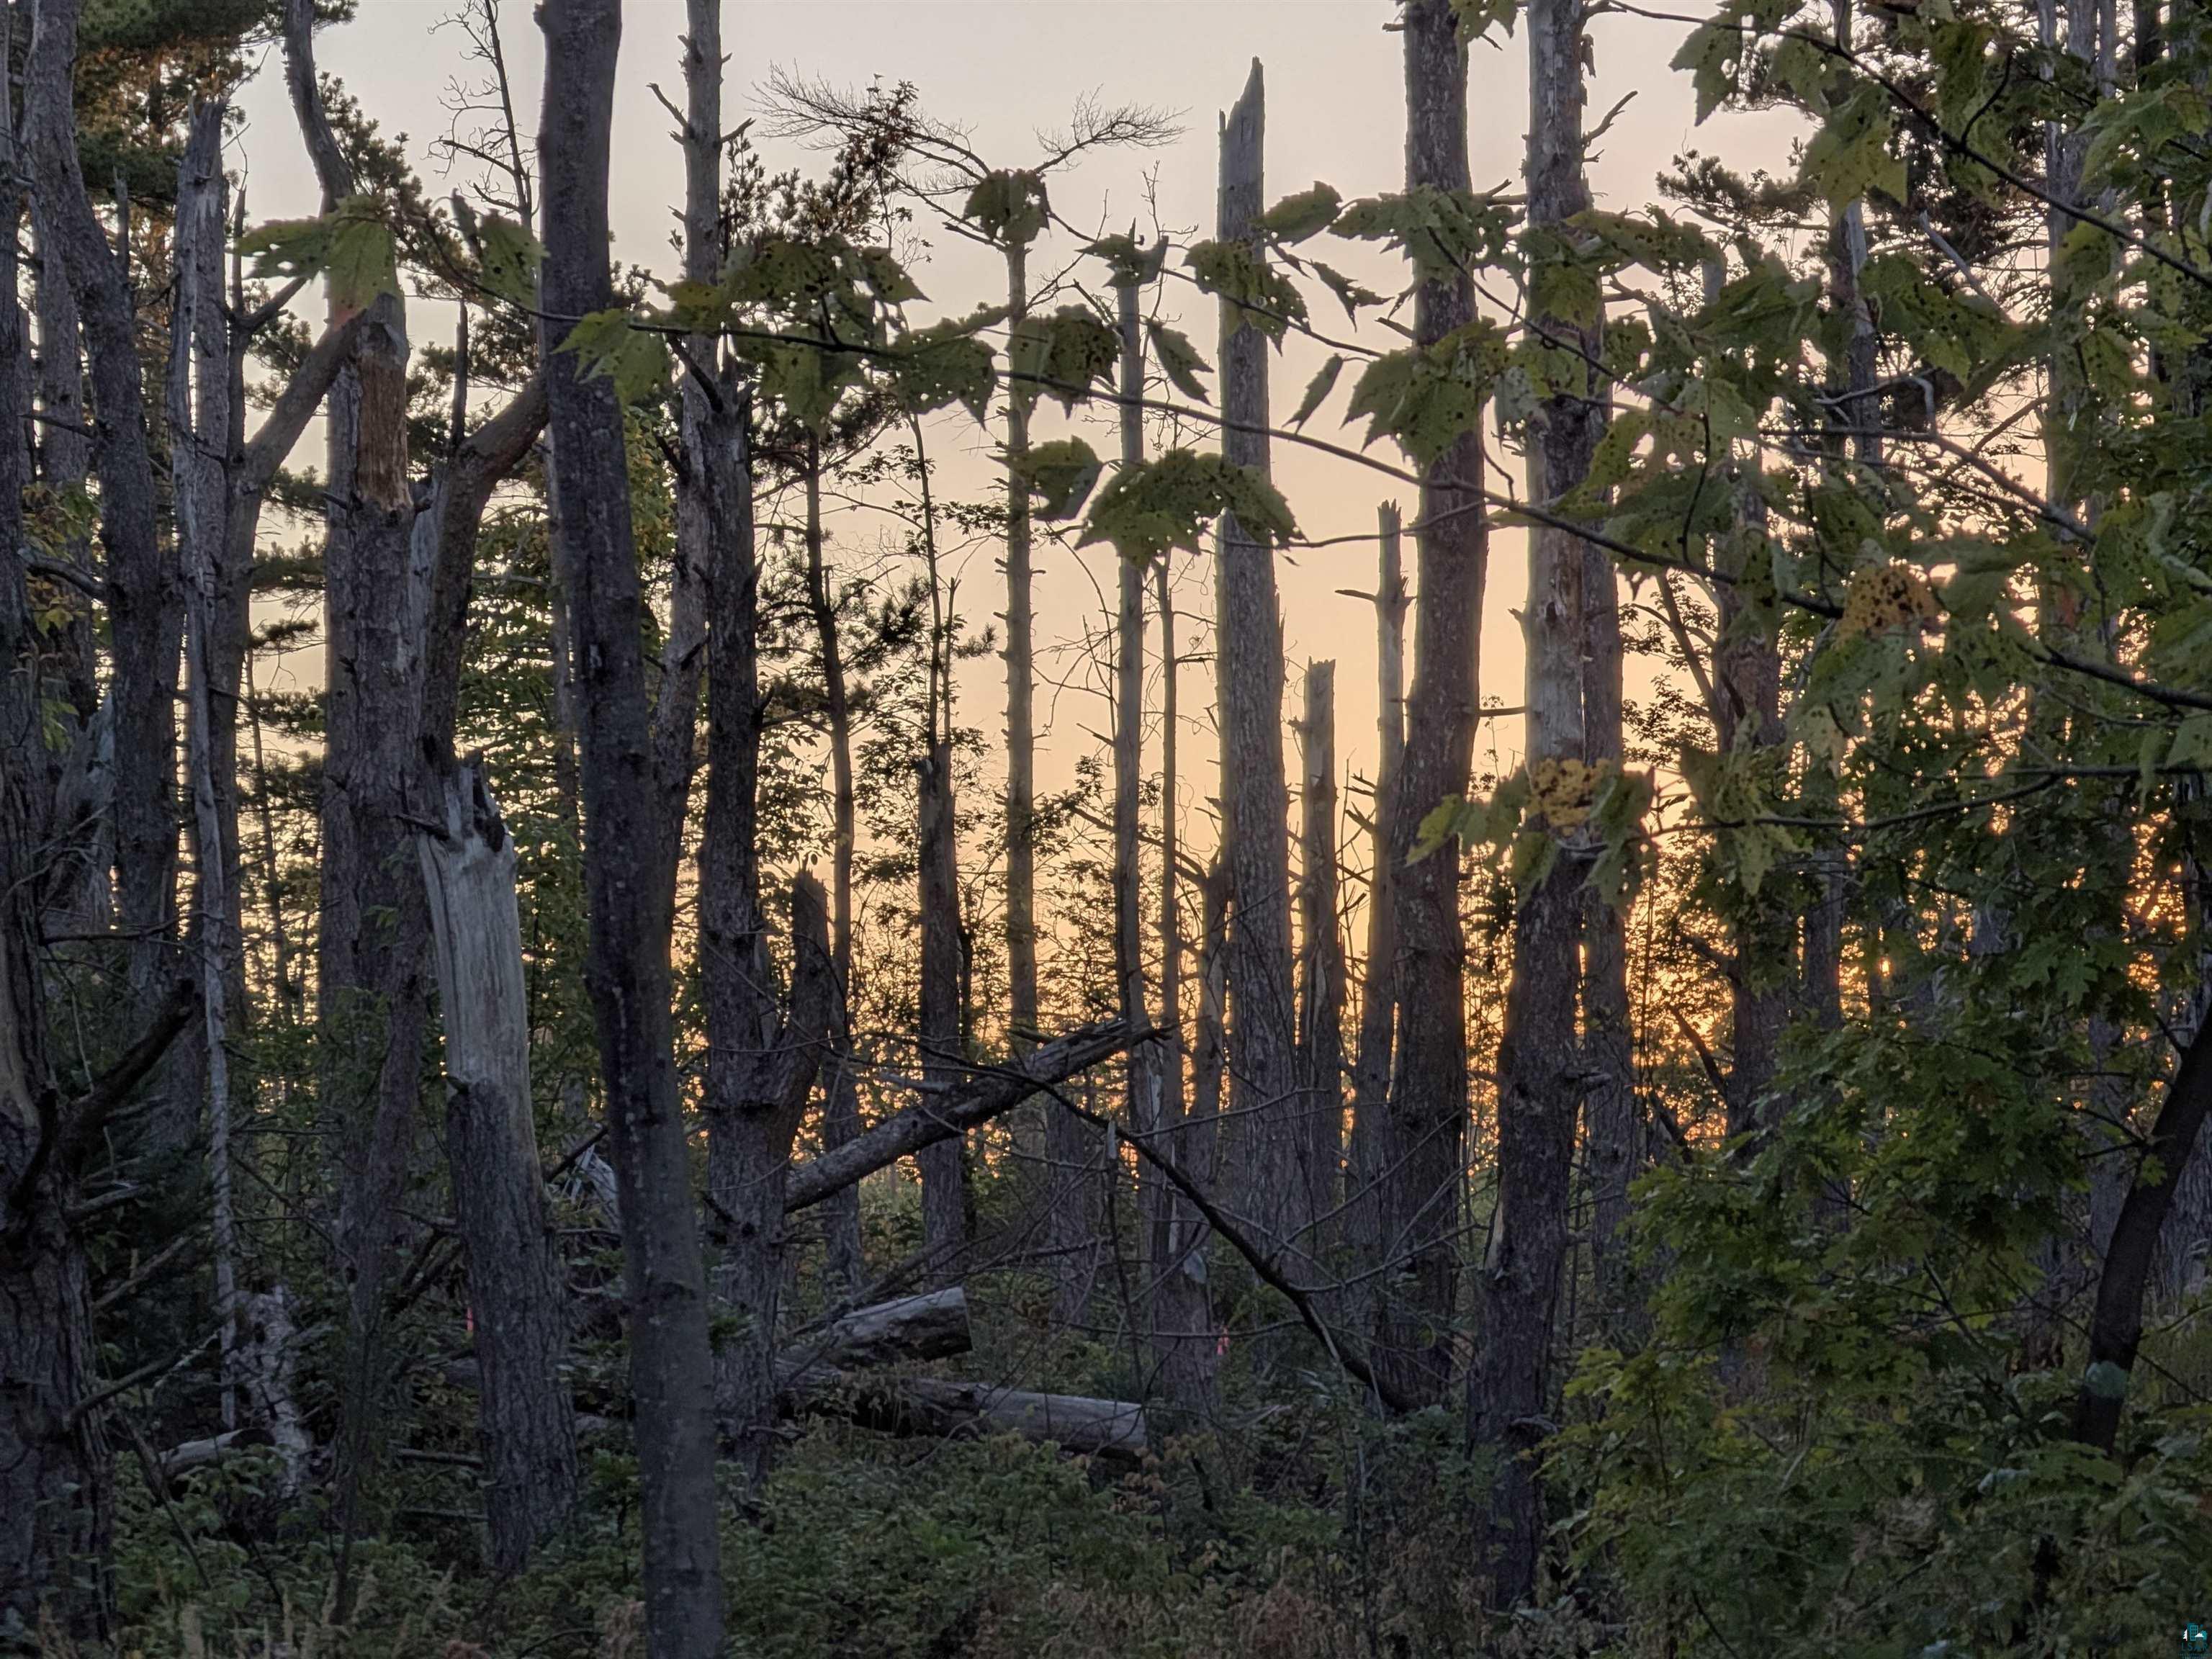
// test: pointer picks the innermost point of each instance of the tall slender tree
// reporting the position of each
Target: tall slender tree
(1264, 1142)
(1422, 1159)
(631, 806)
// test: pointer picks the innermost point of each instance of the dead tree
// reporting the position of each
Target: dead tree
(1371, 1075)
(631, 809)
(1321, 957)
(840, 1094)
(1264, 1154)
(518, 1294)
(199, 417)
(1418, 1195)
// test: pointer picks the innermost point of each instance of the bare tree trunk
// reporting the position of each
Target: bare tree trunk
(1264, 1153)
(145, 600)
(199, 414)
(629, 863)
(517, 1290)
(1145, 1095)
(371, 997)
(1370, 1081)
(1420, 1193)
(1182, 1316)
(1539, 1058)
(949, 1109)
(945, 1165)
(55, 1498)
(1321, 978)
(1021, 726)
(841, 1097)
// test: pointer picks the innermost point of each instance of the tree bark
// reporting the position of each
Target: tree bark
(145, 600)
(1420, 1196)
(517, 1289)
(1145, 1095)
(944, 1162)
(199, 416)
(2115, 1325)
(841, 1097)
(1538, 1057)
(629, 863)
(1321, 975)
(56, 1488)
(1371, 1080)
(928, 1406)
(1264, 1152)
(953, 1108)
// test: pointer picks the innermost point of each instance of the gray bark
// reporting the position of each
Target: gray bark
(56, 1498)
(926, 1406)
(145, 600)
(1264, 1151)
(930, 1326)
(199, 417)
(371, 996)
(629, 863)
(1420, 1193)
(517, 1290)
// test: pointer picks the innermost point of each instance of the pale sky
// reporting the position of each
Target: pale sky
(1007, 70)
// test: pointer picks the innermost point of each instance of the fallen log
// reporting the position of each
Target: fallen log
(930, 1327)
(927, 1327)
(926, 1406)
(198, 1454)
(942, 1114)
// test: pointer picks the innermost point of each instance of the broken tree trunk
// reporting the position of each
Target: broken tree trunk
(979, 1095)
(517, 1295)
(930, 1325)
(1263, 1152)
(927, 1405)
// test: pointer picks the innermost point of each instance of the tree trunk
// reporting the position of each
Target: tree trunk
(1021, 726)
(1320, 973)
(145, 600)
(56, 1502)
(1609, 1117)
(517, 1290)
(1265, 1151)
(1539, 1059)
(1370, 1080)
(199, 415)
(2115, 1325)
(943, 1164)
(841, 1097)
(1420, 1195)
(953, 1108)
(371, 997)
(629, 864)
(1146, 1101)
